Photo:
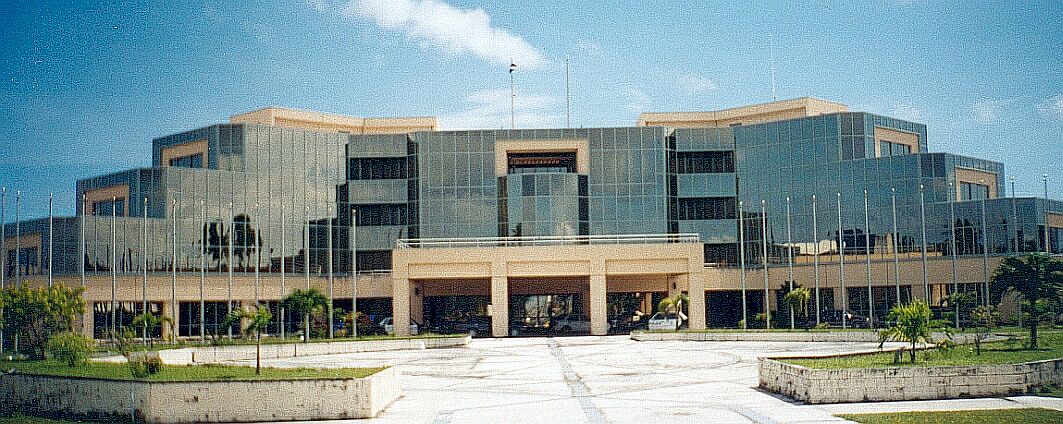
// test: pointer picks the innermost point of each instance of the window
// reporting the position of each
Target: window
(27, 261)
(705, 162)
(377, 168)
(889, 148)
(973, 191)
(383, 214)
(374, 260)
(191, 161)
(523, 163)
(104, 208)
(697, 208)
(724, 254)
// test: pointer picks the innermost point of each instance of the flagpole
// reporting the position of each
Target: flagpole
(331, 293)
(985, 249)
(258, 257)
(51, 250)
(3, 256)
(232, 251)
(841, 265)
(306, 254)
(764, 235)
(896, 257)
(922, 219)
(203, 275)
(82, 248)
(512, 98)
(144, 266)
(173, 282)
(18, 237)
(789, 257)
(867, 257)
(568, 98)
(742, 264)
(952, 240)
(1014, 218)
(284, 259)
(354, 271)
(815, 258)
(1048, 245)
(114, 265)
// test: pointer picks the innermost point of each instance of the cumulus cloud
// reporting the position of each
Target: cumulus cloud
(436, 24)
(988, 111)
(490, 108)
(638, 100)
(694, 84)
(907, 112)
(1052, 107)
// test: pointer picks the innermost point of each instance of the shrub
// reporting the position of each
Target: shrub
(74, 349)
(144, 364)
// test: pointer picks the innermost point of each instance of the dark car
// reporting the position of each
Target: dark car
(834, 319)
(475, 326)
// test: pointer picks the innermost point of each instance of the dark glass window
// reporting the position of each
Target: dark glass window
(973, 191)
(888, 148)
(694, 208)
(191, 161)
(383, 214)
(104, 208)
(377, 168)
(27, 261)
(373, 260)
(705, 162)
(522, 163)
(724, 253)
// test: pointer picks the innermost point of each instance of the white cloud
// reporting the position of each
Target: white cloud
(436, 24)
(693, 84)
(638, 102)
(907, 112)
(989, 111)
(490, 108)
(1052, 107)
(319, 6)
(589, 48)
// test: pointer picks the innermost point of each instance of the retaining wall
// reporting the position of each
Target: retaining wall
(193, 402)
(905, 383)
(774, 336)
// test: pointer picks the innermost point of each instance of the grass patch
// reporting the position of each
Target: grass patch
(106, 349)
(1022, 415)
(23, 419)
(996, 353)
(184, 373)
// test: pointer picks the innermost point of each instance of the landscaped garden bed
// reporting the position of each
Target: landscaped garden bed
(983, 416)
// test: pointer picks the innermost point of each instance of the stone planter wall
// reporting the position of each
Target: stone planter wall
(193, 402)
(905, 383)
(773, 336)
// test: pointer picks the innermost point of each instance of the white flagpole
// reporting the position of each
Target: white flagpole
(3, 255)
(82, 248)
(173, 281)
(896, 257)
(232, 256)
(867, 256)
(284, 258)
(952, 240)
(18, 237)
(258, 256)
(1048, 239)
(306, 254)
(815, 259)
(331, 293)
(144, 265)
(114, 265)
(51, 234)
(922, 219)
(354, 271)
(985, 250)
(512, 97)
(789, 257)
(841, 265)
(203, 275)
(764, 235)
(742, 263)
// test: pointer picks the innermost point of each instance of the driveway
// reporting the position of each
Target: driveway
(604, 380)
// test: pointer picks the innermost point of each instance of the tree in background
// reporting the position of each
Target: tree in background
(304, 303)
(149, 322)
(963, 302)
(984, 319)
(1039, 279)
(798, 299)
(36, 314)
(256, 320)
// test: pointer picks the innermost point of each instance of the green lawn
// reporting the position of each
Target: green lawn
(1051, 347)
(174, 373)
(1023, 415)
(162, 345)
(22, 419)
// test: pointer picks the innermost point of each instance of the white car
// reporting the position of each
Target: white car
(663, 321)
(389, 326)
(572, 323)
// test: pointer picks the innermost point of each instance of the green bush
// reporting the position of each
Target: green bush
(144, 364)
(74, 349)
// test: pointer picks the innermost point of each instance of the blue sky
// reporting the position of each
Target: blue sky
(85, 86)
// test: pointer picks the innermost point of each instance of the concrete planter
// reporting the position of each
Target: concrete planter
(774, 336)
(905, 383)
(193, 402)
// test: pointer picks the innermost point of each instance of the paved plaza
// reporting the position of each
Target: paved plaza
(608, 380)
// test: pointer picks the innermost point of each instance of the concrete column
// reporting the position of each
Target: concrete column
(88, 320)
(647, 304)
(417, 304)
(400, 306)
(599, 314)
(696, 293)
(499, 306)
(167, 311)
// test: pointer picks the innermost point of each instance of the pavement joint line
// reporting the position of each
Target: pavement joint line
(579, 389)
(752, 415)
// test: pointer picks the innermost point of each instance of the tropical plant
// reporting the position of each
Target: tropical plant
(1039, 279)
(74, 349)
(669, 304)
(144, 364)
(798, 299)
(256, 320)
(963, 302)
(984, 318)
(35, 314)
(303, 303)
(148, 322)
(911, 324)
(122, 338)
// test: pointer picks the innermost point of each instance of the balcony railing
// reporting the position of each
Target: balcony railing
(525, 241)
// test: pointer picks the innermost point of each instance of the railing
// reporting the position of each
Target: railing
(546, 240)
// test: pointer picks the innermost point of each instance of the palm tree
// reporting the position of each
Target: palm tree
(1038, 278)
(257, 320)
(798, 299)
(911, 324)
(305, 302)
(675, 304)
(148, 321)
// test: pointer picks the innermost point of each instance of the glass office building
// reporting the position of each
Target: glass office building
(276, 198)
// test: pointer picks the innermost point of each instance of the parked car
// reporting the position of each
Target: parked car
(663, 321)
(474, 326)
(572, 323)
(834, 319)
(389, 326)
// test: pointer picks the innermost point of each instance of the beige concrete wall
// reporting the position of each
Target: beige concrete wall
(320, 121)
(25, 241)
(184, 149)
(745, 115)
(905, 383)
(106, 194)
(974, 176)
(579, 146)
(231, 401)
(897, 137)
